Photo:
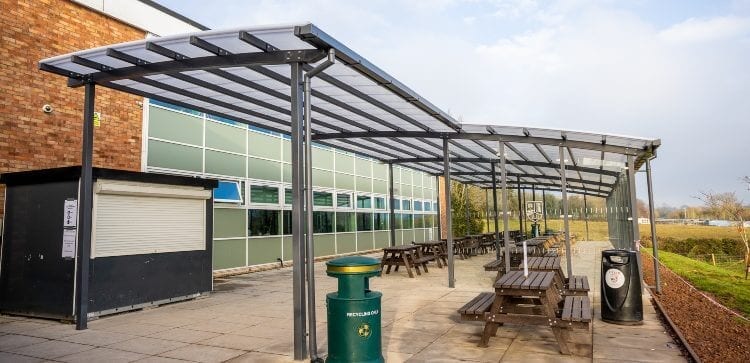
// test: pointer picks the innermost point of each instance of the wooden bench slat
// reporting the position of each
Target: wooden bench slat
(576, 316)
(567, 308)
(469, 304)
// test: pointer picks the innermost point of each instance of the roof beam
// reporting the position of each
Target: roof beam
(192, 64)
(549, 177)
(489, 137)
(518, 162)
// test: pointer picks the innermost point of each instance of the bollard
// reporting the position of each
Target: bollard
(354, 320)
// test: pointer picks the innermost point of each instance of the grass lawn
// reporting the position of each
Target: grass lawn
(728, 286)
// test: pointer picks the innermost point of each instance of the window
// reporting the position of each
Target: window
(344, 221)
(263, 222)
(266, 195)
(428, 220)
(322, 222)
(381, 221)
(379, 203)
(364, 201)
(396, 204)
(406, 204)
(364, 221)
(344, 200)
(419, 221)
(228, 192)
(427, 206)
(417, 205)
(397, 221)
(406, 221)
(435, 206)
(288, 196)
(323, 199)
(286, 226)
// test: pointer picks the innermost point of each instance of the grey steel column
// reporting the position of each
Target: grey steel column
(298, 221)
(533, 199)
(544, 210)
(586, 216)
(466, 205)
(448, 221)
(520, 210)
(564, 184)
(439, 220)
(652, 222)
(494, 208)
(633, 203)
(392, 215)
(504, 183)
(85, 207)
(487, 208)
(524, 218)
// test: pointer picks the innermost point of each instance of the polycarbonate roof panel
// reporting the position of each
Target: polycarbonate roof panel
(245, 74)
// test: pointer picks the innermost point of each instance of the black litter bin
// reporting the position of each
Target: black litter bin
(621, 288)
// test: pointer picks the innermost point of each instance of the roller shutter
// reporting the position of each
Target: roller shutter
(138, 218)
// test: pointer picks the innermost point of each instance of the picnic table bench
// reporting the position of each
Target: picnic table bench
(531, 300)
(435, 250)
(409, 256)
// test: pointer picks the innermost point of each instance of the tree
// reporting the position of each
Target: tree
(727, 206)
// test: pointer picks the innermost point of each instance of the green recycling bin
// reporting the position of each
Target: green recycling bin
(354, 311)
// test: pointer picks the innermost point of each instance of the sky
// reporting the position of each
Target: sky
(677, 70)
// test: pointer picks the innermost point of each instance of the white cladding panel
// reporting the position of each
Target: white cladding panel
(138, 223)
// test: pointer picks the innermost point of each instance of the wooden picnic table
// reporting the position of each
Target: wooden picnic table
(534, 300)
(409, 256)
(436, 249)
(577, 285)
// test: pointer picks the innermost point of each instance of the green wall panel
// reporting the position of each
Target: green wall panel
(344, 163)
(380, 170)
(364, 241)
(325, 245)
(264, 146)
(166, 155)
(344, 181)
(225, 164)
(225, 137)
(364, 184)
(286, 170)
(346, 242)
(229, 222)
(405, 190)
(263, 169)
(322, 178)
(287, 248)
(363, 167)
(263, 250)
(229, 253)
(322, 158)
(406, 176)
(399, 237)
(170, 125)
(382, 238)
(380, 186)
(419, 235)
(396, 175)
(287, 150)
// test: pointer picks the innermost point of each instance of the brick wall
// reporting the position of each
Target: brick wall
(31, 30)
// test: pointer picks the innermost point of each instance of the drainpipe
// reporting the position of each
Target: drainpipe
(311, 320)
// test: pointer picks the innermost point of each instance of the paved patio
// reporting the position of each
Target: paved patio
(248, 319)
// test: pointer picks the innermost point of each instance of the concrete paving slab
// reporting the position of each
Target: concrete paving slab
(146, 345)
(12, 341)
(96, 337)
(52, 349)
(203, 353)
(15, 358)
(102, 355)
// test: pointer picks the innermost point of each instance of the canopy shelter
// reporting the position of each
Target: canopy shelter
(296, 79)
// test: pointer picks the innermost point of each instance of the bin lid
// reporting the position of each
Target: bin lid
(353, 265)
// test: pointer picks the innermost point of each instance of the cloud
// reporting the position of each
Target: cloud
(706, 30)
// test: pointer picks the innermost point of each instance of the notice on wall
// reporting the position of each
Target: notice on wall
(70, 213)
(69, 243)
